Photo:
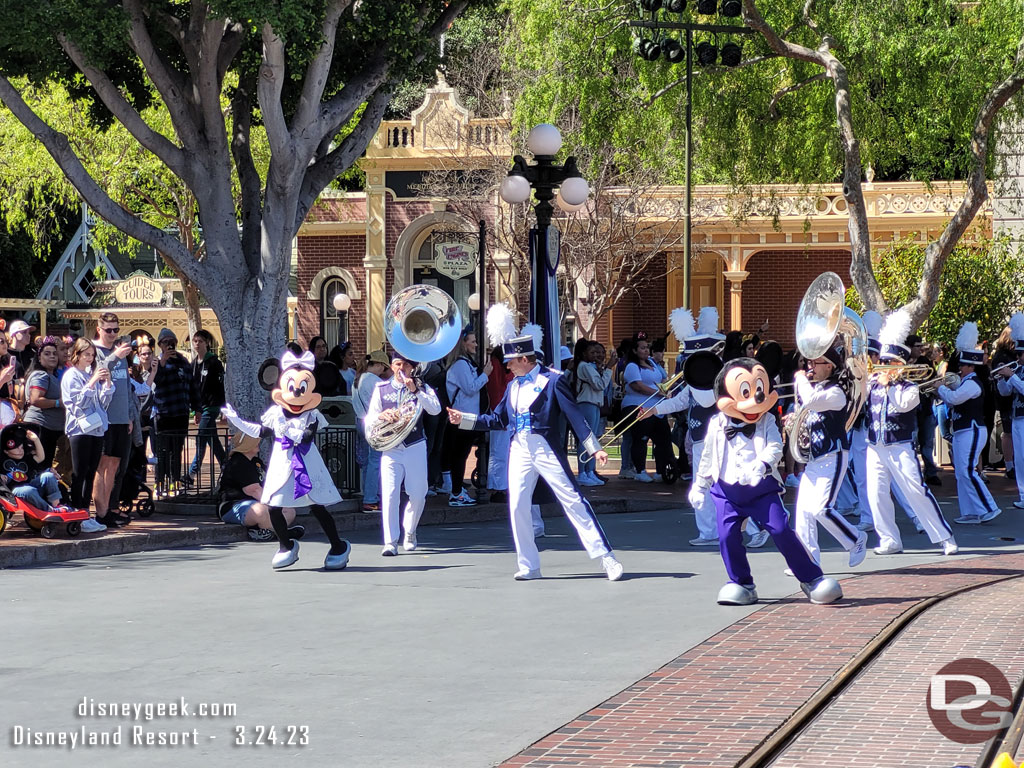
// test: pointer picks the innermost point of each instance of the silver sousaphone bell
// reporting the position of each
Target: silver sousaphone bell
(422, 323)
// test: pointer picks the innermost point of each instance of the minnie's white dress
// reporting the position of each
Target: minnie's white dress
(279, 487)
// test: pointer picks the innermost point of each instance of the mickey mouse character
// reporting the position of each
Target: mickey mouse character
(296, 475)
(742, 449)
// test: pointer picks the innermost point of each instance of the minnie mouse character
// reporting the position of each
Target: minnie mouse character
(296, 475)
(742, 449)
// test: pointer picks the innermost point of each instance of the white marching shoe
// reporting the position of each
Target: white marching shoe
(612, 567)
(859, 551)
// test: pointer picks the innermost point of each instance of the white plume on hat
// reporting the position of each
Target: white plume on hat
(707, 321)
(967, 339)
(895, 329)
(500, 324)
(532, 329)
(681, 321)
(872, 323)
(1017, 326)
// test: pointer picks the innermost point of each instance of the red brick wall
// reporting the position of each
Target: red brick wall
(643, 309)
(316, 253)
(777, 283)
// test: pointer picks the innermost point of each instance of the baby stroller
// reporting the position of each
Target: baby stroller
(135, 494)
(47, 524)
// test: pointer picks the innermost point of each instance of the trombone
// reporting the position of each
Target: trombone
(633, 416)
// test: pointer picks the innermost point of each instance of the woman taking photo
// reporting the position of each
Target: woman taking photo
(45, 412)
(642, 378)
(85, 395)
(463, 382)
(592, 379)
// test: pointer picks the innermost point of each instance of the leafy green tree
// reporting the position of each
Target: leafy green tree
(981, 282)
(317, 76)
(911, 86)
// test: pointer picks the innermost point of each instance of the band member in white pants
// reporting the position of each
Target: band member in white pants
(407, 462)
(891, 457)
(829, 455)
(1010, 381)
(967, 420)
(530, 410)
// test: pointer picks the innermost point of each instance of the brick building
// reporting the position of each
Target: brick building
(754, 268)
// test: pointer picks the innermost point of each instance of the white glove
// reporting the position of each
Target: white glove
(294, 430)
(697, 496)
(246, 427)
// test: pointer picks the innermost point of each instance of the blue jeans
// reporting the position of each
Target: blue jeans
(370, 472)
(592, 415)
(207, 434)
(43, 485)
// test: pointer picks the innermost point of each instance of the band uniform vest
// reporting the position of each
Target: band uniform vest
(969, 413)
(827, 429)
(697, 419)
(885, 425)
(1018, 398)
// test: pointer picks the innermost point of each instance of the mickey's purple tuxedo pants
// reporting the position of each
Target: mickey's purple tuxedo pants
(762, 503)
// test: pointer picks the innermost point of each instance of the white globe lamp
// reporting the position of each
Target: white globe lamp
(473, 302)
(574, 191)
(560, 202)
(341, 302)
(544, 139)
(515, 189)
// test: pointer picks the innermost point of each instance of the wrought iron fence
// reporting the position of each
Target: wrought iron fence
(176, 452)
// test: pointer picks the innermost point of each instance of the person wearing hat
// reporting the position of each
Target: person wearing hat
(530, 410)
(239, 491)
(925, 414)
(819, 391)
(890, 456)
(21, 347)
(967, 416)
(406, 463)
(1010, 383)
(376, 371)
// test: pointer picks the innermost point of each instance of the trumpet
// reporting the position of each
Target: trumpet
(997, 369)
(950, 380)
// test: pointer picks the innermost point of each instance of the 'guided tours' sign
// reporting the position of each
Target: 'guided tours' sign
(455, 259)
(137, 288)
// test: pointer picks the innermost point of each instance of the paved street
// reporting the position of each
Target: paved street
(436, 658)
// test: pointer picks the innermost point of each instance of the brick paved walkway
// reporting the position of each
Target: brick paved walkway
(720, 700)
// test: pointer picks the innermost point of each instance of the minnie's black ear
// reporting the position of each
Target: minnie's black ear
(269, 373)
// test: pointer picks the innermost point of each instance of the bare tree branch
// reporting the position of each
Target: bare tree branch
(155, 142)
(248, 176)
(773, 106)
(271, 85)
(319, 68)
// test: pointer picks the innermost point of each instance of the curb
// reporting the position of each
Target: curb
(193, 532)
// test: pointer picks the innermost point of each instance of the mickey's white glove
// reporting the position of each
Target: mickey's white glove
(698, 496)
(753, 474)
(246, 427)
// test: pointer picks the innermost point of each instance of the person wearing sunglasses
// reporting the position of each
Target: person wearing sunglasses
(112, 353)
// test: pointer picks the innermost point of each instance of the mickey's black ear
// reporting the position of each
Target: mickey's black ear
(269, 373)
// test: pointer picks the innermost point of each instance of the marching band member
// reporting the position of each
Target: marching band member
(966, 414)
(530, 411)
(859, 433)
(1011, 383)
(891, 401)
(406, 462)
(828, 408)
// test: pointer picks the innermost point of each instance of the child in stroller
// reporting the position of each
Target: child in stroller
(28, 488)
(133, 486)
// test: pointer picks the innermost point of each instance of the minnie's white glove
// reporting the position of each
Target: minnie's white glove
(246, 427)
(697, 496)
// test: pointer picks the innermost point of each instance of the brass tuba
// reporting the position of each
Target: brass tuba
(422, 323)
(824, 321)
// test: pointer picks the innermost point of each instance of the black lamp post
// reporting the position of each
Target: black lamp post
(707, 53)
(543, 178)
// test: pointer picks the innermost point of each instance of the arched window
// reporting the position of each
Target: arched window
(333, 324)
